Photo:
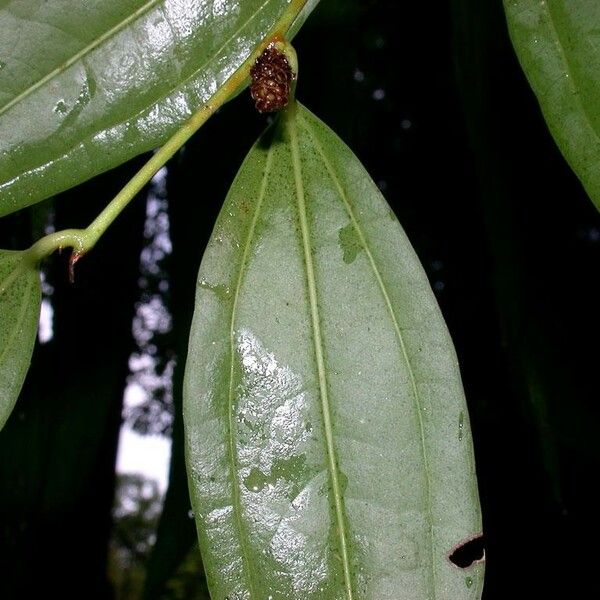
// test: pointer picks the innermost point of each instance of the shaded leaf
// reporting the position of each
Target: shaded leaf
(85, 86)
(557, 44)
(20, 298)
(328, 444)
(309, 6)
(62, 446)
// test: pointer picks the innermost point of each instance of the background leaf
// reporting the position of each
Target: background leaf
(62, 436)
(545, 377)
(557, 44)
(328, 444)
(85, 86)
(20, 298)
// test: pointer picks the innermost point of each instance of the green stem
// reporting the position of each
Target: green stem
(68, 238)
(83, 240)
(290, 53)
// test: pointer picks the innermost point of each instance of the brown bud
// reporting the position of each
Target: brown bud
(271, 80)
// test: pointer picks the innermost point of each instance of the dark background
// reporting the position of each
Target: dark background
(431, 98)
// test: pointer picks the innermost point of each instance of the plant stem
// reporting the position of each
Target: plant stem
(83, 240)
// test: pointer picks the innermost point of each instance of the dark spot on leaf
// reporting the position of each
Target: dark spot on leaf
(467, 553)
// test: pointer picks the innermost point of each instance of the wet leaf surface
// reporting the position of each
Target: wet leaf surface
(328, 443)
(84, 86)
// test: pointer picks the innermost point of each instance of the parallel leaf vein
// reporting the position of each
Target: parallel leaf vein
(318, 347)
(139, 113)
(82, 53)
(401, 342)
(233, 459)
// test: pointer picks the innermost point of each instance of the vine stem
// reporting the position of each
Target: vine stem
(83, 240)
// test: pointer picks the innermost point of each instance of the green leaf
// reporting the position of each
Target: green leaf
(557, 44)
(20, 298)
(327, 437)
(85, 86)
(309, 6)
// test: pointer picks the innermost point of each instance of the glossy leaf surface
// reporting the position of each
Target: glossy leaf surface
(557, 42)
(85, 86)
(328, 444)
(20, 297)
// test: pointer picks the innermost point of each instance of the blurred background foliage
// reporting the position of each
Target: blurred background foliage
(432, 100)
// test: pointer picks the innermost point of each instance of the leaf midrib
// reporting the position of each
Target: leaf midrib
(403, 350)
(81, 54)
(233, 458)
(162, 97)
(107, 35)
(290, 122)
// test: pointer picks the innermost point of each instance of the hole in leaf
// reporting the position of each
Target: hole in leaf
(468, 552)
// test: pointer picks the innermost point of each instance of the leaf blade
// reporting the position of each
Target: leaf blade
(386, 296)
(325, 444)
(20, 299)
(315, 318)
(85, 87)
(555, 44)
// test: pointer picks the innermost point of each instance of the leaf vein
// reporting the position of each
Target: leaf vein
(179, 88)
(81, 54)
(318, 346)
(237, 506)
(18, 322)
(12, 274)
(402, 344)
